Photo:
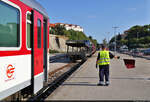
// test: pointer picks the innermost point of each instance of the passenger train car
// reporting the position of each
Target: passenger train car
(24, 42)
(79, 49)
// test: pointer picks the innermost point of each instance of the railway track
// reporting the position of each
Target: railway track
(54, 58)
(55, 81)
(59, 71)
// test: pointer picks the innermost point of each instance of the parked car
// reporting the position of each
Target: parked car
(136, 52)
(123, 50)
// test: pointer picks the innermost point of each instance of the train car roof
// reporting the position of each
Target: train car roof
(34, 4)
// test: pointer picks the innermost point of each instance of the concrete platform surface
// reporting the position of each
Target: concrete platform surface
(125, 84)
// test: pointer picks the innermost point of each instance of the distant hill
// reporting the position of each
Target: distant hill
(71, 34)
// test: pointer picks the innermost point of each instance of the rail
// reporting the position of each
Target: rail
(47, 90)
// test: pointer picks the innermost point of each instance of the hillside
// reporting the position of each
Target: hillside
(57, 43)
(71, 34)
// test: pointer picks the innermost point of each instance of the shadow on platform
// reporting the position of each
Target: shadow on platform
(78, 84)
(126, 78)
(86, 77)
(130, 78)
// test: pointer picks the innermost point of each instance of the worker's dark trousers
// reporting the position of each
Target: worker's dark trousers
(104, 71)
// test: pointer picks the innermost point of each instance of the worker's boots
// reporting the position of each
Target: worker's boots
(107, 83)
(101, 84)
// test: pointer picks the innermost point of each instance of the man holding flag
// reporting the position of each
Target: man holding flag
(103, 60)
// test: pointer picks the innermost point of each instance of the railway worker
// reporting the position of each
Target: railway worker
(103, 60)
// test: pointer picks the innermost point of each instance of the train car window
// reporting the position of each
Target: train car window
(39, 33)
(29, 22)
(9, 26)
(29, 16)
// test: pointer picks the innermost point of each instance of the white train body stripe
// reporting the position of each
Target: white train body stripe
(38, 82)
(14, 70)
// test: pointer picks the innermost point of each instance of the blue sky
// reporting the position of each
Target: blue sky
(97, 17)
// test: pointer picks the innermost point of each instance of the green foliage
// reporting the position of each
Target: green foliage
(112, 40)
(52, 31)
(136, 36)
(147, 40)
(57, 30)
(75, 35)
(90, 37)
(123, 42)
(94, 41)
(118, 37)
(71, 34)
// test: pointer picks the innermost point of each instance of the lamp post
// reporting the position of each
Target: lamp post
(115, 37)
(108, 38)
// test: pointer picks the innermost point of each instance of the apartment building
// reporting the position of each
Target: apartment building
(69, 26)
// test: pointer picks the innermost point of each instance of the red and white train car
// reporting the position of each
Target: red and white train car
(23, 46)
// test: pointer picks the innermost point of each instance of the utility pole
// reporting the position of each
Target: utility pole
(108, 38)
(115, 37)
(137, 35)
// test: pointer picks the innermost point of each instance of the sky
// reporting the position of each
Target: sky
(98, 17)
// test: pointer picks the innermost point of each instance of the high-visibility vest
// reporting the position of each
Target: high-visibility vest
(104, 58)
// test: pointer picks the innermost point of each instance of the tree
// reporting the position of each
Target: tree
(52, 30)
(123, 42)
(136, 36)
(94, 41)
(59, 29)
(90, 37)
(118, 37)
(71, 34)
(112, 40)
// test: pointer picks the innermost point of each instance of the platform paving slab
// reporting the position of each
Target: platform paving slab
(125, 84)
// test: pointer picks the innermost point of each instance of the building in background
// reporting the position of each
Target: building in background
(69, 26)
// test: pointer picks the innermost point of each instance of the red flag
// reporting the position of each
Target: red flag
(129, 63)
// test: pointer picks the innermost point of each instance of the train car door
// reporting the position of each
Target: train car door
(38, 52)
(45, 43)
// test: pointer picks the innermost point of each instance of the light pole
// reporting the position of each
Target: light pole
(115, 37)
(108, 38)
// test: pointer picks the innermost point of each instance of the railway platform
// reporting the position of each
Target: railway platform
(125, 84)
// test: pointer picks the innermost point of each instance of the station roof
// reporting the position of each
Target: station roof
(34, 4)
(76, 43)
